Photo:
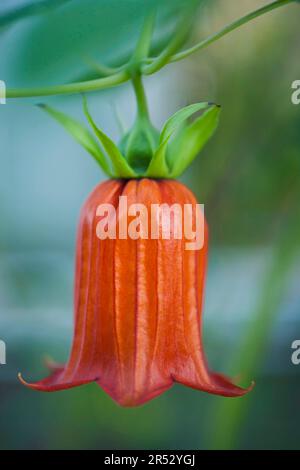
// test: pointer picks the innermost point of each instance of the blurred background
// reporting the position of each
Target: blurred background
(248, 177)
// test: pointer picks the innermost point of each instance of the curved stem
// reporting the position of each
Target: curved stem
(154, 64)
(231, 27)
(70, 88)
(101, 69)
(144, 41)
(179, 37)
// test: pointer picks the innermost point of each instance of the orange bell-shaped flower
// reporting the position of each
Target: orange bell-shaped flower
(138, 305)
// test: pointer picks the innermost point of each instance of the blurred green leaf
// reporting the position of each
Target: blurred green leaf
(53, 48)
(31, 9)
(230, 415)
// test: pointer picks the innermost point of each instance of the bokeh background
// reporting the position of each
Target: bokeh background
(248, 177)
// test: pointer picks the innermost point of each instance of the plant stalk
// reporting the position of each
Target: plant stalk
(154, 63)
(141, 99)
(70, 88)
(231, 27)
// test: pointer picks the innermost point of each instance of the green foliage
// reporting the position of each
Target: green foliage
(47, 48)
(120, 166)
(142, 151)
(139, 145)
(191, 141)
(249, 180)
(83, 31)
(167, 160)
(29, 10)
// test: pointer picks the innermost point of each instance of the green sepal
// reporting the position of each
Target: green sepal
(175, 121)
(190, 141)
(80, 134)
(143, 152)
(120, 165)
(139, 145)
(159, 166)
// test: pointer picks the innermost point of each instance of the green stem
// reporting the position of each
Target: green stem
(174, 45)
(144, 42)
(70, 88)
(142, 106)
(101, 69)
(231, 27)
(154, 64)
